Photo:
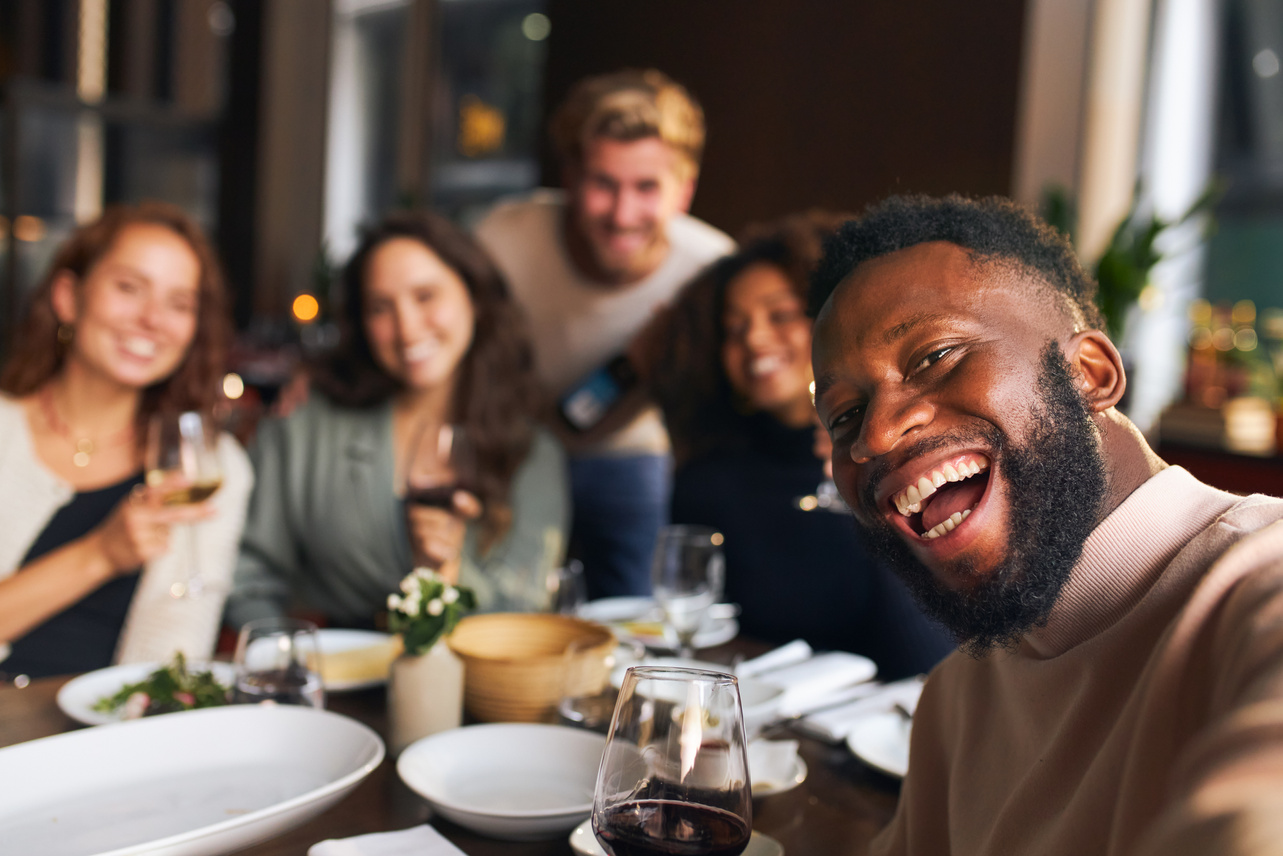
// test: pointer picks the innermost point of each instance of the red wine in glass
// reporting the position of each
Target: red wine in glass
(432, 496)
(671, 828)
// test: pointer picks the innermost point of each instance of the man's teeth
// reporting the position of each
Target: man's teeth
(947, 524)
(140, 347)
(909, 501)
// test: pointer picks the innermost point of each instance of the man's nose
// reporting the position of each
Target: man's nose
(626, 210)
(888, 420)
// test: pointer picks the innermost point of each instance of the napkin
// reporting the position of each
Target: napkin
(834, 724)
(785, 655)
(805, 682)
(415, 841)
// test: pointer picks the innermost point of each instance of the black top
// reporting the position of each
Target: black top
(800, 574)
(83, 636)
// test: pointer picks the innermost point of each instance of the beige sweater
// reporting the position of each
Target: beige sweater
(1145, 718)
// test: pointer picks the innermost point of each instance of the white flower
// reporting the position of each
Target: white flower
(426, 574)
(410, 606)
(409, 584)
(435, 606)
(450, 595)
(394, 602)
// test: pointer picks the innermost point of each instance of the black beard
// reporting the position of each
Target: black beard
(1056, 485)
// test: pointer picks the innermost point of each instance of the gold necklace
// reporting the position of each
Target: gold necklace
(85, 447)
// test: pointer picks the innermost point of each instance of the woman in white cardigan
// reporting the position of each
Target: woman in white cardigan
(130, 321)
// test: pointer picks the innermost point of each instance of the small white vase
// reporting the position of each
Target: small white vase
(425, 695)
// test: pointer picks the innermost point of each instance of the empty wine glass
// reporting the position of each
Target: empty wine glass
(674, 774)
(567, 590)
(181, 460)
(278, 661)
(687, 576)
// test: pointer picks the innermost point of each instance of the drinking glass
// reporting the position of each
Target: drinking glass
(441, 460)
(278, 661)
(181, 460)
(674, 774)
(686, 578)
(825, 498)
(567, 590)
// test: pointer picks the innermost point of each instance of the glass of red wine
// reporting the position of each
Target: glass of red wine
(440, 462)
(674, 779)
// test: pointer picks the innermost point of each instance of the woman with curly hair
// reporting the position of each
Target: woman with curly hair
(732, 370)
(130, 321)
(429, 338)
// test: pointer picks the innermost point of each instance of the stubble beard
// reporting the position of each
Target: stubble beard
(1056, 485)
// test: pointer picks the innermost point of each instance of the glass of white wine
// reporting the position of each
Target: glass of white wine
(181, 460)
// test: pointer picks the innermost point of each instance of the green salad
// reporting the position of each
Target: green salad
(167, 690)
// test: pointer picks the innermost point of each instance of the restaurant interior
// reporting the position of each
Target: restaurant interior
(1149, 131)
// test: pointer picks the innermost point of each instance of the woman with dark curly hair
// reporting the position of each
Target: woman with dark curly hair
(130, 321)
(731, 367)
(429, 338)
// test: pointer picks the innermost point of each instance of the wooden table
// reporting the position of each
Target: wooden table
(839, 807)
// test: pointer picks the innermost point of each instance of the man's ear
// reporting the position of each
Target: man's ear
(1098, 369)
(63, 296)
(686, 195)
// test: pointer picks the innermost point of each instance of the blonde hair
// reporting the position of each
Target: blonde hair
(626, 106)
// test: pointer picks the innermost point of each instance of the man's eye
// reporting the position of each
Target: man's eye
(931, 359)
(851, 414)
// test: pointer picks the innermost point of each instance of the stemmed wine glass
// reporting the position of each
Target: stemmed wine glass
(181, 460)
(278, 661)
(441, 460)
(687, 576)
(674, 774)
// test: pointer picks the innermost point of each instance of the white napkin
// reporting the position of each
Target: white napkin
(785, 655)
(817, 677)
(415, 841)
(834, 724)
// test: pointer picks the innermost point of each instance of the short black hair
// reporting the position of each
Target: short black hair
(991, 230)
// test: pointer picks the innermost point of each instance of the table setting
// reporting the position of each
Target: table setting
(563, 740)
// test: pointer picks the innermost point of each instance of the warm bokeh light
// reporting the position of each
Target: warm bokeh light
(536, 26)
(233, 386)
(28, 228)
(306, 308)
(717, 539)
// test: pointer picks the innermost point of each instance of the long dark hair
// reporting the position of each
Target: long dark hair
(496, 399)
(38, 355)
(701, 409)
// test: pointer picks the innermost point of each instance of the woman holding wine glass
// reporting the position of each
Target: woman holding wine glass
(129, 326)
(730, 364)
(419, 449)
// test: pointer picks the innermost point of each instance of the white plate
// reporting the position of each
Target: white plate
(196, 783)
(583, 842)
(353, 674)
(515, 781)
(77, 697)
(881, 740)
(758, 700)
(769, 789)
(623, 614)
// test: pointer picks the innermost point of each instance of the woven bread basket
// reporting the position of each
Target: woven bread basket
(515, 663)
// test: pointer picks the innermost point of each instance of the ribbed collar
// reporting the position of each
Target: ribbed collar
(1125, 556)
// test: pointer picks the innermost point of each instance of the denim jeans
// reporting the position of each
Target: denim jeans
(619, 505)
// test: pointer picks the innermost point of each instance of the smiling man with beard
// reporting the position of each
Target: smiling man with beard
(1119, 685)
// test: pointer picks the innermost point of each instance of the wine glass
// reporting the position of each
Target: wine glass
(674, 774)
(567, 590)
(278, 661)
(441, 460)
(687, 575)
(181, 460)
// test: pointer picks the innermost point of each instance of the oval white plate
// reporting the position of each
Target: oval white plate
(618, 611)
(515, 781)
(77, 697)
(881, 740)
(196, 783)
(583, 842)
(337, 640)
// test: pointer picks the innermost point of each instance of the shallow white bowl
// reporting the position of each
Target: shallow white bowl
(515, 781)
(196, 783)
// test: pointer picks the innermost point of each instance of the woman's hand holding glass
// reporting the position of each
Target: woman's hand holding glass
(439, 468)
(437, 534)
(138, 530)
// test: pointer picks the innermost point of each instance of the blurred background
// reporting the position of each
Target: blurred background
(1151, 131)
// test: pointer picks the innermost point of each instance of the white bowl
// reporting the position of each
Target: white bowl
(195, 783)
(515, 781)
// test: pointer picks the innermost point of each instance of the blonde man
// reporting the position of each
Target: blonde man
(591, 264)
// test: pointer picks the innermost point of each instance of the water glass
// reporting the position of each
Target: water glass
(687, 577)
(278, 661)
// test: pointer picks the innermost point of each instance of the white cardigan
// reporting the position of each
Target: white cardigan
(157, 624)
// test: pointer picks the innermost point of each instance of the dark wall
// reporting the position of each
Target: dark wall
(832, 103)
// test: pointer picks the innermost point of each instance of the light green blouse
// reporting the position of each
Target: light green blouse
(325, 530)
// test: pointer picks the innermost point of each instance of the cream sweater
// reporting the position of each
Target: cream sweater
(1146, 717)
(156, 624)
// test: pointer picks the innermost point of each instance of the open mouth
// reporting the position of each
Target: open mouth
(945, 497)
